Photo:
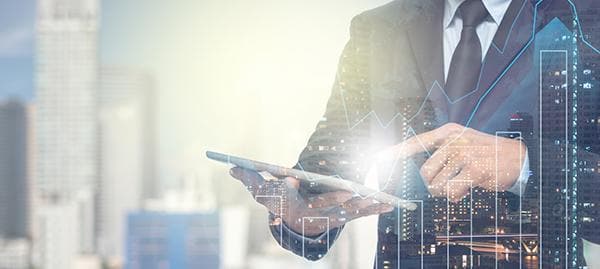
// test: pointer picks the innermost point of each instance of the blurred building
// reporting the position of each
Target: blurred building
(66, 156)
(127, 153)
(172, 240)
(131, 93)
(56, 244)
(66, 98)
(14, 254)
(14, 184)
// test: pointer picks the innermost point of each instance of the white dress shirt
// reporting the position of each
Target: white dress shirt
(485, 31)
(452, 24)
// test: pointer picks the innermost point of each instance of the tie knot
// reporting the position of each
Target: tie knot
(472, 12)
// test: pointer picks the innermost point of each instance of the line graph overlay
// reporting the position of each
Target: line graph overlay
(519, 135)
(389, 179)
(436, 85)
(448, 183)
(541, 119)
(398, 211)
(312, 219)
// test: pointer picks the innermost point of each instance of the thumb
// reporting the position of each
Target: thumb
(292, 182)
(247, 177)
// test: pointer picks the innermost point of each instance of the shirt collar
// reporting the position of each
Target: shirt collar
(496, 9)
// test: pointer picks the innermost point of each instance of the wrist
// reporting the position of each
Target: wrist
(310, 230)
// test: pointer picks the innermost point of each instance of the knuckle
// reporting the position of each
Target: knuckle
(435, 191)
(426, 172)
(461, 156)
(451, 126)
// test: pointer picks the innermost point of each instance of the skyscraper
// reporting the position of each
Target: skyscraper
(554, 149)
(127, 143)
(66, 81)
(122, 89)
(14, 187)
(66, 164)
(14, 254)
(58, 236)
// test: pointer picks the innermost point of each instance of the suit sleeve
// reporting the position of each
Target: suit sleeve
(335, 145)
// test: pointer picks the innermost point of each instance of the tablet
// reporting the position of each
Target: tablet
(312, 179)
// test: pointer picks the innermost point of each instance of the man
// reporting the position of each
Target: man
(429, 87)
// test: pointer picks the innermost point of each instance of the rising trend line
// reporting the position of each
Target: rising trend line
(388, 180)
(437, 85)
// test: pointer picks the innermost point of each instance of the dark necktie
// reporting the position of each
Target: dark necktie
(466, 60)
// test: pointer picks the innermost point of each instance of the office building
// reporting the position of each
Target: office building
(127, 153)
(14, 180)
(66, 155)
(172, 240)
(57, 235)
(14, 254)
(131, 93)
(66, 96)
(555, 91)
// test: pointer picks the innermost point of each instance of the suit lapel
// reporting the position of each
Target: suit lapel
(504, 59)
(514, 33)
(425, 36)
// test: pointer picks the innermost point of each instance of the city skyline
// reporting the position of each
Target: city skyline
(128, 112)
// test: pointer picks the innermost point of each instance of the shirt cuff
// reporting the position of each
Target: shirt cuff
(307, 239)
(310, 247)
(590, 253)
(519, 187)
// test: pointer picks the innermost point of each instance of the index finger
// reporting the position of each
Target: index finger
(424, 142)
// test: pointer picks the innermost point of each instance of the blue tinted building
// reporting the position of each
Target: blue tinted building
(172, 240)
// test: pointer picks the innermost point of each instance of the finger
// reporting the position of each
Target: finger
(357, 203)
(434, 165)
(329, 199)
(292, 182)
(356, 208)
(459, 187)
(359, 206)
(273, 204)
(247, 177)
(424, 142)
(374, 209)
(254, 182)
(439, 184)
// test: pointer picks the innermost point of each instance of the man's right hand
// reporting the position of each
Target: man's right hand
(339, 207)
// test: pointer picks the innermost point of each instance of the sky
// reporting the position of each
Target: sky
(245, 77)
(16, 48)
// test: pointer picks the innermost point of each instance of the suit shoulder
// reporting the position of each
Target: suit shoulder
(388, 10)
(396, 12)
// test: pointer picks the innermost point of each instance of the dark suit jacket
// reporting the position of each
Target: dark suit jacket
(534, 82)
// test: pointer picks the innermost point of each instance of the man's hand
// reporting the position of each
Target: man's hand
(463, 157)
(339, 207)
